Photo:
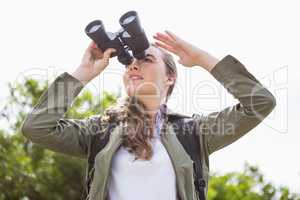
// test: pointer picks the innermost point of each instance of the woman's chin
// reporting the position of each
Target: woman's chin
(133, 91)
(141, 89)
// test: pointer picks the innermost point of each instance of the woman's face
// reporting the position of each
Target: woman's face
(147, 77)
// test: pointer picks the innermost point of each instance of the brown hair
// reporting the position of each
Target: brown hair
(136, 122)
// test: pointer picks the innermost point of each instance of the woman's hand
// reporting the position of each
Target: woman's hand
(188, 54)
(94, 61)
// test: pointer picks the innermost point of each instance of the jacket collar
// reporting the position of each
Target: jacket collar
(165, 110)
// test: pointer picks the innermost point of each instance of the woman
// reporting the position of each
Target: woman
(140, 161)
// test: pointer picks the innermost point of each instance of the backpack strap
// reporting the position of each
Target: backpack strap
(186, 133)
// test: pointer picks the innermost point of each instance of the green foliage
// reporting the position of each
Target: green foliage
(247, 185)
(28, 171)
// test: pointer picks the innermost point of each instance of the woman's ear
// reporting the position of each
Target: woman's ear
(170, 80)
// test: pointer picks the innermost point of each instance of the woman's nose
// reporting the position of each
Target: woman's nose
(134, 66)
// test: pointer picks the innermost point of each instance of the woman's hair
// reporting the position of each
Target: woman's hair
(136, 122)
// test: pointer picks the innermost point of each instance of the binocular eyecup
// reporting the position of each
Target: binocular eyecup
(131, 37)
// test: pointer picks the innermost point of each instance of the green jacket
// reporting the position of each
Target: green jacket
(47, 126)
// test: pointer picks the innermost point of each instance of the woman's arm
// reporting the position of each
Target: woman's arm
(221, 128)
(46, 124)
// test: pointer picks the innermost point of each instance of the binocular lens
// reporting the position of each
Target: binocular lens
(94, 28)
(129, 19)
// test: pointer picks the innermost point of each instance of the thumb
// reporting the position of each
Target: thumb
(107, 53)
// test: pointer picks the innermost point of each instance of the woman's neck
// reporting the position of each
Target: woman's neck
(152, 106)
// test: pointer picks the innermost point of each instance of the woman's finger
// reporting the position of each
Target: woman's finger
(167, 47)
(108, 52)
(96, 54)
(164, 38)
(92, 45)
(172, 35)
(177, 40)
(161, 40)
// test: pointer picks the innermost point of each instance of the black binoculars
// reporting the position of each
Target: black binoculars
(131, 37)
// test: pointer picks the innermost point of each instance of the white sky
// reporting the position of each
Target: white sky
(41, 37)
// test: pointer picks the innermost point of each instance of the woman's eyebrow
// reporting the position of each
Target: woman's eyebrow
(148, 54)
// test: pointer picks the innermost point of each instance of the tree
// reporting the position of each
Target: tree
(247, 185)
(28, 171)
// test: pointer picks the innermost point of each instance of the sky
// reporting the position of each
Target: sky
(41, 39)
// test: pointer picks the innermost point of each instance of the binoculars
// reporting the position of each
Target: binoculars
(131, 37)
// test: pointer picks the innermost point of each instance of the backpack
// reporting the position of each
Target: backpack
(187, 136)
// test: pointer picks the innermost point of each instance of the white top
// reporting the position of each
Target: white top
(148, 180)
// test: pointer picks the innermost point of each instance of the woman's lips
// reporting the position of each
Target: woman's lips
(135, 77)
